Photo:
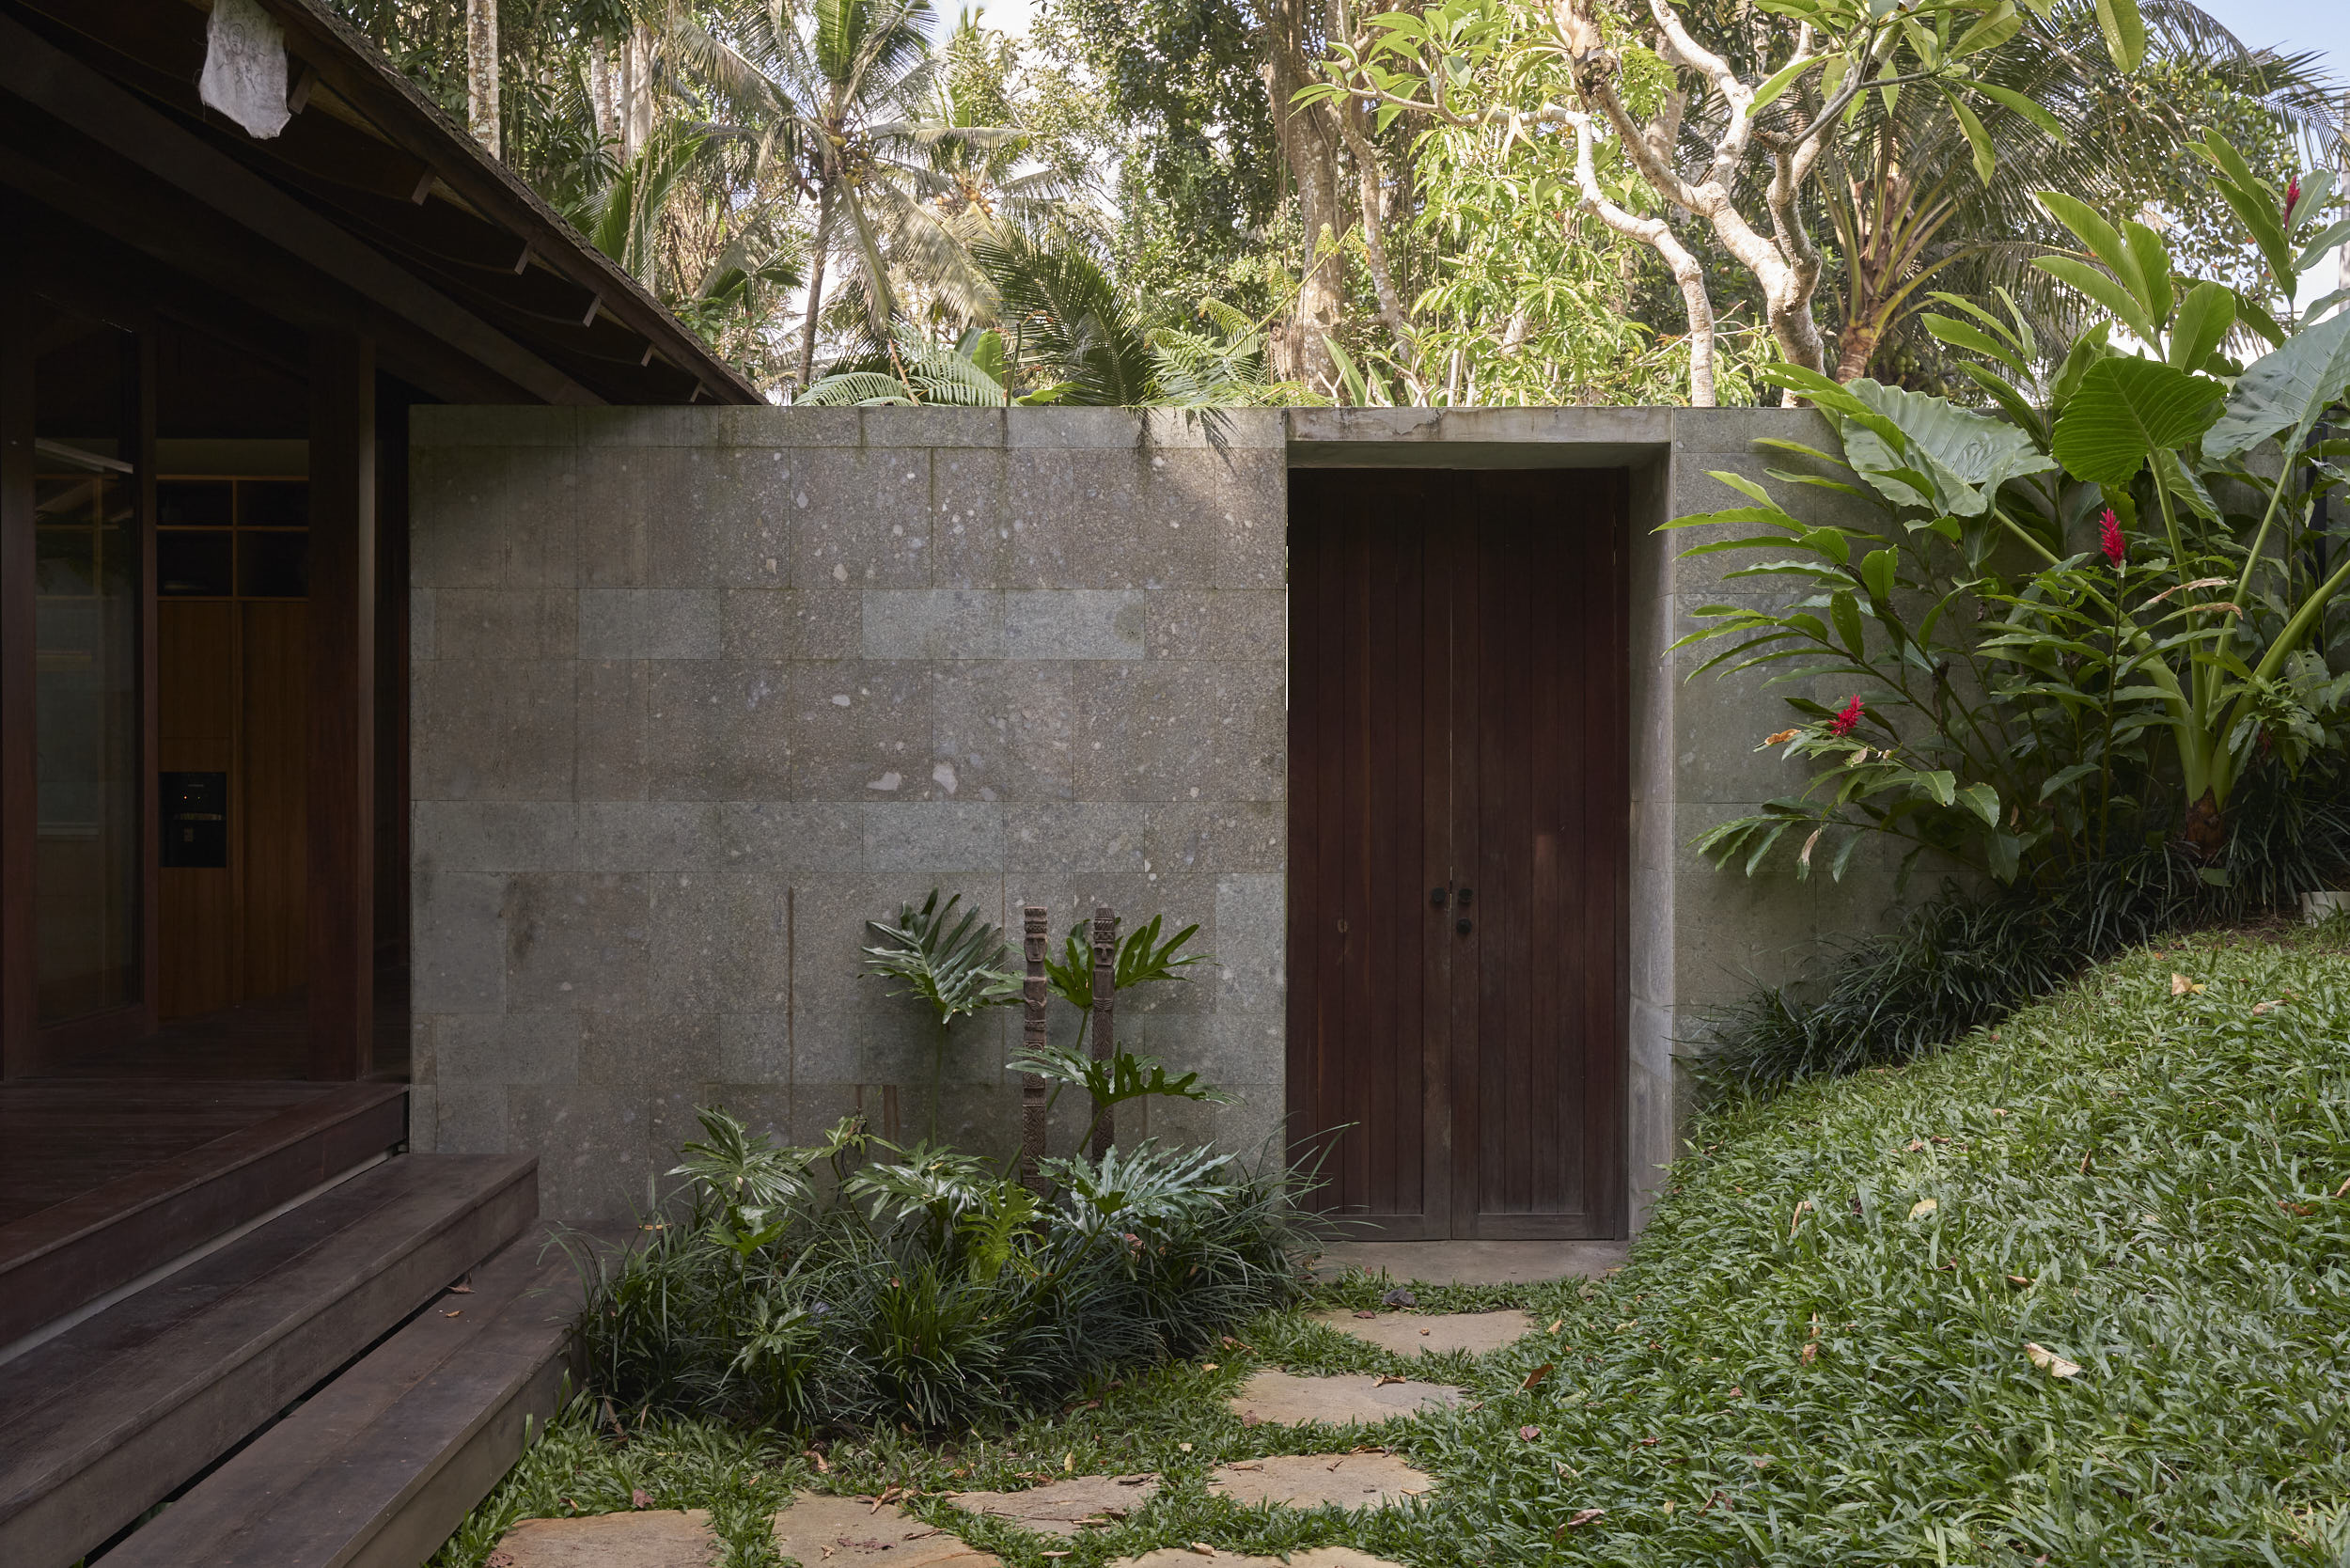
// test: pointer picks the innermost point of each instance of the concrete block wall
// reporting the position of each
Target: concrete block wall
(696, 691)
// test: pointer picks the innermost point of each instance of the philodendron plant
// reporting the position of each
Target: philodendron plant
(952, 967)
(2078, 623)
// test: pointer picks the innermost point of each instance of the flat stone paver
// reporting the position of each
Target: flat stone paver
(1320, 1556)
(1471, 1263)
(1314, 1480)
(1286, 1398)
(1434, 1333)
(822, 1531)
(1060, 1507)
(646, 1537)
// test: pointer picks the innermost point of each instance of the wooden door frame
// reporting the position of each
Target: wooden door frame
(1451, 1010)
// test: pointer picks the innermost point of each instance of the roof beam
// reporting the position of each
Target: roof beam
(69, 175)
(43, 76)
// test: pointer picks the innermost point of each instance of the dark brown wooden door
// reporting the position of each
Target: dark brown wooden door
(1459, 810)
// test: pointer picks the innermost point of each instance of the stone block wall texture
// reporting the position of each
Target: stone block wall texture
(696, 691)
(700, 691)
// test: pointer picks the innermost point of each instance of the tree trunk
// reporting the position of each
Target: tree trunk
(1856, 346)
(815, 286)
(481, 74)
(637, 92)
(1309, 150)
(601, 95)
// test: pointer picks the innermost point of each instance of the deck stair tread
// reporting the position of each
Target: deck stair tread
(222, 1154)
(107, 1418)
(382, 1463)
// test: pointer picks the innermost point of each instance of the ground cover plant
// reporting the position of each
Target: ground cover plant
(2074, 1289)
(2093, 644)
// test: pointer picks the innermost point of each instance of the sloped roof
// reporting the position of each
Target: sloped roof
(371, 190)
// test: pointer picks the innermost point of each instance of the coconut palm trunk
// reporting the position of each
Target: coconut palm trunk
(815, 284)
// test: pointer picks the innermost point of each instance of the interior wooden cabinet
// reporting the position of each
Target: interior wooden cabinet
(234, 691)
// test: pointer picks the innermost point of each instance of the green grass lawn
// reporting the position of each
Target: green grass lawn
(1819, 1352)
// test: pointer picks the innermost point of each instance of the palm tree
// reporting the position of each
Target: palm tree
(846, 92)
(1074, 339)
(1915, 208)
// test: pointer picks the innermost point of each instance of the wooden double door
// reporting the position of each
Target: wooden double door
(1459, 815)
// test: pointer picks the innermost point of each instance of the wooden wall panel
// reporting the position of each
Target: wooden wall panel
(196, 672)
(1459, 819)
(272, 852)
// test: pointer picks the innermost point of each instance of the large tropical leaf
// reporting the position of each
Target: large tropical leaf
(1966, 456)
(953, 966)
(2126, 411)
(2286, 389)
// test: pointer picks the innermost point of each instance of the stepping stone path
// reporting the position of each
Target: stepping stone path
(1434, 1333)
(1313, 1479)
(1286, 1398)
(828, 1533)
(1320, 1556)
(654, 1538)
(1060, 1507)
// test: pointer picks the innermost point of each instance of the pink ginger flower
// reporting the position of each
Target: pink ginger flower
(2109, 538)
(1843, 723)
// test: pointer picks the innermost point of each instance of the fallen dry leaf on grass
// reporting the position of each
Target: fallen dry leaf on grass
(2020, 1281)
(1562, 1323)
(1582, 1517)
(640, 1498)
(1527, 1433)
(2050, 1362)
(2182, 986)
(1810, 1350)
(1386, 1378)
(1924, 1207)
(1535, 1376)
(2260, 1008)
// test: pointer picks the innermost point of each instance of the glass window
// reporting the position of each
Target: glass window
(88, 860)
(194, 564)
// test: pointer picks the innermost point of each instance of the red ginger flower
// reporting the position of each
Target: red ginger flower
(1843, 723)
(2109, 538)
(2292, 197)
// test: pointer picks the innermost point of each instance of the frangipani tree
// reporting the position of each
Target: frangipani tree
(1665, 127)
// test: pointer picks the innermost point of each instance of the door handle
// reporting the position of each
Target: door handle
(1462, 925)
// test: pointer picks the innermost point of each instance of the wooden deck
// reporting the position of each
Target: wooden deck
(102, 1181)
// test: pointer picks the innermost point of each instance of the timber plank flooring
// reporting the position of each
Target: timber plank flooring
(381, 1466)
(106, 1420)
(101, 1183)
(60, 1138)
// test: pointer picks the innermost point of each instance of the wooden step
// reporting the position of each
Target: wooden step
(381, 1466)
(111, 1417)
(195, 1161)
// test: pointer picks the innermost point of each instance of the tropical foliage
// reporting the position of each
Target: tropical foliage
(1290, 203)
(860, 1283)
(2076, 626)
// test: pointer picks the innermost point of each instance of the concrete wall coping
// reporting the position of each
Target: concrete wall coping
(1086, 428)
